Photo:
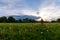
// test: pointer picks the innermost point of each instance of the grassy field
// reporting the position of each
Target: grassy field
(29, 31)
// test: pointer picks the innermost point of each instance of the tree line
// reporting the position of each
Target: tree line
(11, 19)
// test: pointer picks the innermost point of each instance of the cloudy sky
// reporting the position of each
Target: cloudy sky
(47, 9)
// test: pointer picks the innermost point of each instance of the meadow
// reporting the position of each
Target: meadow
(29, 31)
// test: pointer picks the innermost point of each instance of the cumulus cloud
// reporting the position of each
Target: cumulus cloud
(49, 10)
(15, 7)
(10, 7)
(28, 12)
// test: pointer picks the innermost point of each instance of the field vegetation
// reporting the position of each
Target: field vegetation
(29, 31)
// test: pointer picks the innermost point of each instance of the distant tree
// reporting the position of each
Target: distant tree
(11, 19)
(46, 21)
(3, 19)
(53, 21)
(28, 20)
(32, 21)
(58, 20)
(42, 21)
(20, 20)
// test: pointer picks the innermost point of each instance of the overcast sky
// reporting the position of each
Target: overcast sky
(48, 9)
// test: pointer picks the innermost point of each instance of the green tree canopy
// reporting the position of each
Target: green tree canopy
(58, 20)
(3, 19)
(11, 19)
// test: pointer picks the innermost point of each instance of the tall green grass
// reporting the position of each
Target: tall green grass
(29, 31)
